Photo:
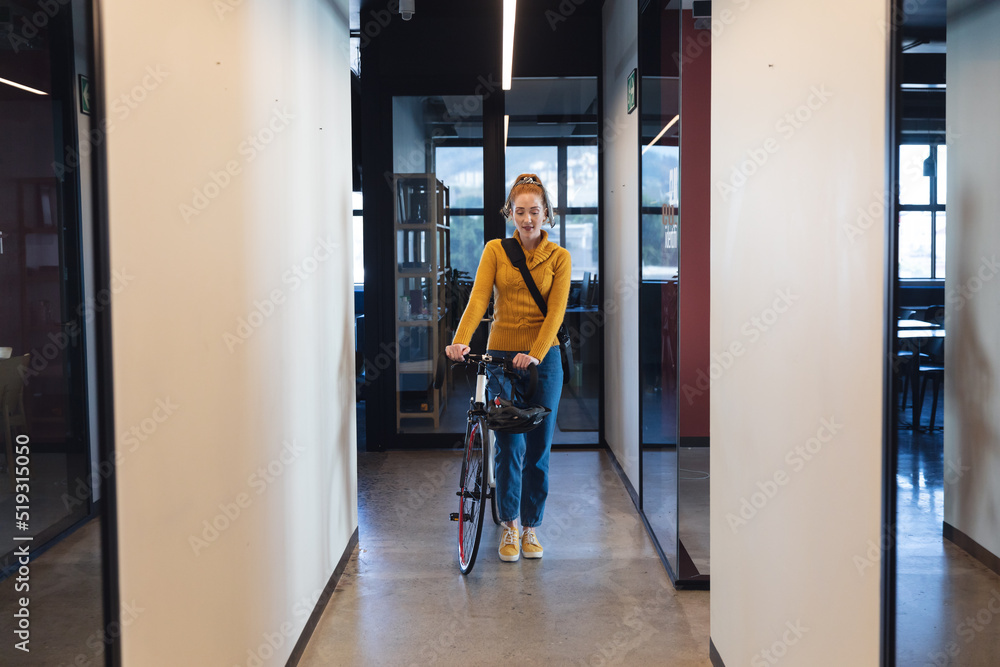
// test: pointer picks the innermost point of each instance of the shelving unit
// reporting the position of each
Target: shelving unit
(423, 251)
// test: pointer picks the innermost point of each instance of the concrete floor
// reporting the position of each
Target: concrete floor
(946, 600)
(599, 596)
(66, 604)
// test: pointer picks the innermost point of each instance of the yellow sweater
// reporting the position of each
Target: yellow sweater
(517, 321)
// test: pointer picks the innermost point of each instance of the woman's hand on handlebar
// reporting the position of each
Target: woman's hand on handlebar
(521, 361)
(457, 352)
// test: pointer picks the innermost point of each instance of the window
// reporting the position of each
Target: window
(575, 200)
(923, 182)
(461, 169)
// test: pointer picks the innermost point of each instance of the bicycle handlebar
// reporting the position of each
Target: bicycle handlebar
(505, 365)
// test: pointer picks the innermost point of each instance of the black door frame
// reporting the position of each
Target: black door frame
(379, 244)
(891, 287)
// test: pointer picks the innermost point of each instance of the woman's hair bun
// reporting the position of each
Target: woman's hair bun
(528, 178)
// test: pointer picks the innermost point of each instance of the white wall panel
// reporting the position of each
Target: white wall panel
(797, 313)
(230, 225)
(620, 274)
(972, 285)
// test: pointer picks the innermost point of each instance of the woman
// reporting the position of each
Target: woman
(521, 331)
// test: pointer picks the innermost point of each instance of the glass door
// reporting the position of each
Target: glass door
(438, 218)
(44, 443)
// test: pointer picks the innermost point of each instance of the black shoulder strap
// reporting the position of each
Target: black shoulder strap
(516, 256)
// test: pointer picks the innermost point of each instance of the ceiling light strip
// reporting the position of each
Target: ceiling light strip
(17, 85)
(662, 132)
(509, 11)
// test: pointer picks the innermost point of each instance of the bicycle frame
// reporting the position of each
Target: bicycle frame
(480, 401)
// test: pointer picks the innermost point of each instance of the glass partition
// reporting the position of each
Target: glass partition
(659, 109)
(47, 455)
(674, 474)
(438, 235)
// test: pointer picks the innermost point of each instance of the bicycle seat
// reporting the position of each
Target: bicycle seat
(504, 417)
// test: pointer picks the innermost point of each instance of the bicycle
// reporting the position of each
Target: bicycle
(477, 481)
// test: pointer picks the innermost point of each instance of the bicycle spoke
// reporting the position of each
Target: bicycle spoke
(471, 500)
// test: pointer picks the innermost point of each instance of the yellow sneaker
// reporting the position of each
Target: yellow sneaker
(530, 546)
(509, 547)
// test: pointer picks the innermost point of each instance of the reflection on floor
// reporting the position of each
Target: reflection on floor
(51, 499)
(693, 494)
(65, 605)
(947, 601)
(689, 515)
(599, 596)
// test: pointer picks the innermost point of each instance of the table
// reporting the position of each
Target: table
(918, 335)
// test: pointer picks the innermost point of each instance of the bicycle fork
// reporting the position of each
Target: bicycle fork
(491, 439)
(479, 404)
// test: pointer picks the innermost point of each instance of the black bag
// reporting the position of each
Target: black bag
(516, 256)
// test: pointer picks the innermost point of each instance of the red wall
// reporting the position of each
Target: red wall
(695, 273)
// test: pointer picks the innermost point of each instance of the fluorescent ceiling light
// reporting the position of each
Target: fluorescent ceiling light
(17, 85)
(506, 125)
(509, 10)
(662, 132)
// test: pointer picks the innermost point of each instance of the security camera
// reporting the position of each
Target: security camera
(406, 9)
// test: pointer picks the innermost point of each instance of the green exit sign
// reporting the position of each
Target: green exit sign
(85, 105)
(632, 92)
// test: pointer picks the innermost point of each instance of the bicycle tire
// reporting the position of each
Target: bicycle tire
(494, 509)
(472, 494)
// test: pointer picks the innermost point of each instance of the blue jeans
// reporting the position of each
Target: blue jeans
(522, 459)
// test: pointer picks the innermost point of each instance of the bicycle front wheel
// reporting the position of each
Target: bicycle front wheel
(472, 493)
